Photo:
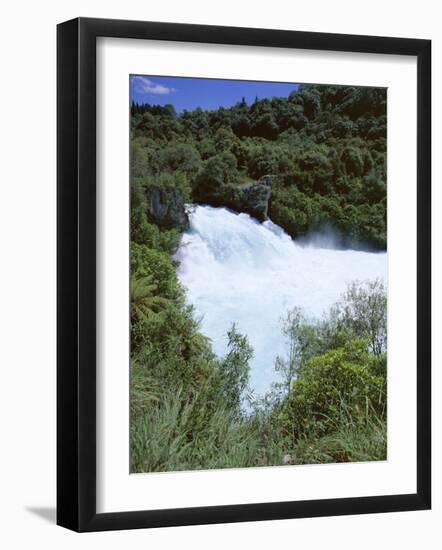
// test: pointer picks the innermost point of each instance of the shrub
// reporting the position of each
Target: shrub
(341, 384)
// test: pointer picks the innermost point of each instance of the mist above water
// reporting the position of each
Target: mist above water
(237, 270)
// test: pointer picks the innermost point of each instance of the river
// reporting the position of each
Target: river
(235, 269)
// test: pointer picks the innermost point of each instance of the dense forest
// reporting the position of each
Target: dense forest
(325, 148)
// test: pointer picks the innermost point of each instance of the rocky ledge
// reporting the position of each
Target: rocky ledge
(251, 198)
(165, 205)
(166, 209)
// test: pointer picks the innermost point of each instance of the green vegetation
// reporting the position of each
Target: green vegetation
(325, 147)
(192, 410)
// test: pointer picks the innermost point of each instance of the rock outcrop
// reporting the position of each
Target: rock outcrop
(166, 208)
(251, 198)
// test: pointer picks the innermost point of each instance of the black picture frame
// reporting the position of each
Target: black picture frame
(76, 274)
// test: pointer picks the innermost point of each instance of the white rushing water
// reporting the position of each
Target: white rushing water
(238, 270)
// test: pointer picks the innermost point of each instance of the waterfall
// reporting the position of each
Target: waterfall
(235, 269)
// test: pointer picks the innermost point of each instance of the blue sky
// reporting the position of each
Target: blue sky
(190, 93)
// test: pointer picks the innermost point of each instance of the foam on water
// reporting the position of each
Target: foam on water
(237, 270)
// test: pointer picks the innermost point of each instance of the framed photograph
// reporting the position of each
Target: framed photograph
(243, 274)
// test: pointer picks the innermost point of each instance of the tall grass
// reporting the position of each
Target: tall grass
(162, 439)
(353, 440)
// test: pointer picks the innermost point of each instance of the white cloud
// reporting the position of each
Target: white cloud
(146, 86)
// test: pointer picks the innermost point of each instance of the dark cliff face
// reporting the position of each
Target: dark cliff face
(251, 198)
(254, 198)
(167, 210)
(166, 206)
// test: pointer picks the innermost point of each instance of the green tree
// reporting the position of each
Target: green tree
(158, 266)
(362, 312)
(180, 156)
(144, 299)
(234, 368)
(293, 329)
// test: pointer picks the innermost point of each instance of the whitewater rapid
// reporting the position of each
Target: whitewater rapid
(235, 269)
